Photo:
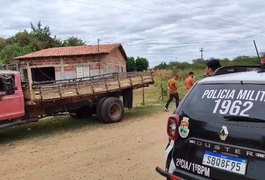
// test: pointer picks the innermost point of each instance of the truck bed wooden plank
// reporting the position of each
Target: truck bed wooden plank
(90, 86)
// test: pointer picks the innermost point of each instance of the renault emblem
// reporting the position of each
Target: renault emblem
(223, 133)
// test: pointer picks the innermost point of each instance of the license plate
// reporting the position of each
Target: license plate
(225, 162)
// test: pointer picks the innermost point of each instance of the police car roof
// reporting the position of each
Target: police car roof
(241, 77)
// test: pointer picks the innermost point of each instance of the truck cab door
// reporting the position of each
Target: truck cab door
(11, 98)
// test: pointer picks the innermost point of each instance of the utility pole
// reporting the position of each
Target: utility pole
(98, 44)
(201, 50)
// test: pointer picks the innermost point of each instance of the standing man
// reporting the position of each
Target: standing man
(211, 66)
(172, 87)
(189, 81)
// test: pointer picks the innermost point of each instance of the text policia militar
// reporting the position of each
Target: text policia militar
(246, 95)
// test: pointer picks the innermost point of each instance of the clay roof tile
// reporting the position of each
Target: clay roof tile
(70, 51)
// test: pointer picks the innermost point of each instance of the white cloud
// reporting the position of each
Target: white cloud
(161, 30)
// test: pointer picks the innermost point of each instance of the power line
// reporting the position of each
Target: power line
(181, 45)
(100, 5)
(143, 10)
(209, 12)
(198, 42)
(158, 13)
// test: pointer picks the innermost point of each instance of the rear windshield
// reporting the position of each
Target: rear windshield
(215, 101)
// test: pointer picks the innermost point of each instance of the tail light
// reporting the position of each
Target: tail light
(172, 127)
(175, 178)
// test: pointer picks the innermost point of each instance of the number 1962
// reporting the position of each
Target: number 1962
(234, 108)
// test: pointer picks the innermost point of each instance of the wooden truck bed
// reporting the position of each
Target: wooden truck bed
(89, 86)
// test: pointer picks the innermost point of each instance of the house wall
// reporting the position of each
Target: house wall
(114, 62)
(82, 66)
(70, 67)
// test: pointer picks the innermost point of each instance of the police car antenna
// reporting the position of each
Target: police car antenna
(256, 49)
(262, 61)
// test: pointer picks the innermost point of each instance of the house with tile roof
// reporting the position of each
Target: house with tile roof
(74, 62)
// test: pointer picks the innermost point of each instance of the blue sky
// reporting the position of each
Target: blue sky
(160, 30)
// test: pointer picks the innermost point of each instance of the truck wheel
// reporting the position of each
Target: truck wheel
(112, 110)
(99, 109)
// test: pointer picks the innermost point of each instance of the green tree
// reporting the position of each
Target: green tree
(141, 64)
(41, 37)
(162, 65)
(3, 43)
(245, 60)
(130, 64)
(9, 52)
(22, 38)
(26, 42)
(73, 41)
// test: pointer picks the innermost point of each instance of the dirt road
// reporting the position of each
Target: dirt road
(127, 150)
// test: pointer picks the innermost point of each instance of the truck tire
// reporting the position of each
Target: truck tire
(99, 114)
(112, 110)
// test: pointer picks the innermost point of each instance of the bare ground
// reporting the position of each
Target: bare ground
(127, 150)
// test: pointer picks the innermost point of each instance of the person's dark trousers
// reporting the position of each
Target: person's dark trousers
(171, 96)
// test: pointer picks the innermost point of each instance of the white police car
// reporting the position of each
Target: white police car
(218, 130)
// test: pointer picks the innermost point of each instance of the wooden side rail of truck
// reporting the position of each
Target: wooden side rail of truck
(22, 102)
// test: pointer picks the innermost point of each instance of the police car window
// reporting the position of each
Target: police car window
(219, 100)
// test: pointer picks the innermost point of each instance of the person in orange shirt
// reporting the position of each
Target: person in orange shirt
(189, 81)
(172, 87)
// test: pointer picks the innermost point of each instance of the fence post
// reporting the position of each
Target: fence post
(142, 87)
(161, 86)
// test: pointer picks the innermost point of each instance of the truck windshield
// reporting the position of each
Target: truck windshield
(217, 101)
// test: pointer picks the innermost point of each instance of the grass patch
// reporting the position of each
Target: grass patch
(151, 95)
(144, 110)
(45, 128)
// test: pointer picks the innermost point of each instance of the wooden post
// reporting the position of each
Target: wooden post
(161, 86)
(32, 96)
(131, 81)
(119, 82)
(152, 76)
(142, 87)
(106, 85)
(41, 93)
(59, 90)
(77, 87)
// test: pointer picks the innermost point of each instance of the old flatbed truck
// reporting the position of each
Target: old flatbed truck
(25, 102)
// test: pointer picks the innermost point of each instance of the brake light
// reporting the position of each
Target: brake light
(172, 127)
(175, 178)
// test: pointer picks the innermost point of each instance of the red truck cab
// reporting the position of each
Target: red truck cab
(11, 96)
